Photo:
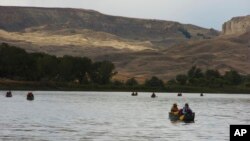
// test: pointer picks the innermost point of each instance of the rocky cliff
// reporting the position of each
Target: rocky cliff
(237, 26)
(51, 19)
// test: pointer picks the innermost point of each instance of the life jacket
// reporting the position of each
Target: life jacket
(186, 110)
(174, 109)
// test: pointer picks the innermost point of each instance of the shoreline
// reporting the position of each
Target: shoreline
(63, 86)
(175, 93)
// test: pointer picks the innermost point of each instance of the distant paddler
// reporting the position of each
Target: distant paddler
(8, 94)
(174, 113)
(175, 109)
(153, 95)
(187, 114)
(30, 96)
(134, 94)
(179, 94)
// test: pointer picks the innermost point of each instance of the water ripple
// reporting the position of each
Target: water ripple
(97, 116)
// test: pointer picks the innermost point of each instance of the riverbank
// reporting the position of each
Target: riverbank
(61, 86)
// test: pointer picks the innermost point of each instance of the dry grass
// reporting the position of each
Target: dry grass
(138, 59)
(84, 39)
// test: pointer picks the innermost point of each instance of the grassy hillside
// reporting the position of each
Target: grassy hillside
(138, 47)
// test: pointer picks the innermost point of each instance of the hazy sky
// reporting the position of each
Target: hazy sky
(205, 13)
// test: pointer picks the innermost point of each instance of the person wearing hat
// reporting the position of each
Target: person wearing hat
(175, 109)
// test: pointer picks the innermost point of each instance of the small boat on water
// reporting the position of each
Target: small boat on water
(201, 94)
(8, 94)
(185, 118)
(30, 96)
(134, 94)
(153, 95)
(179, 94)
(173, 116)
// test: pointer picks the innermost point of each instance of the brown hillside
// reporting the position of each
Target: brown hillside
(139, 48)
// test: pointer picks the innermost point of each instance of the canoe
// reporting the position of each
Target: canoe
(184, 118)
(173, 117)
(8, 94)
(189, 117)
(179, 94)
(153, 96)
(30, 96)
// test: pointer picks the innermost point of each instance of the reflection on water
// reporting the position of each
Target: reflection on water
(115, 116)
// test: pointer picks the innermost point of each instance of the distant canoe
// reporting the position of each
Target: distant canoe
(9, 94)
(30, 96)
(186, 118)
(153, 96)
(179, 94)
(134, 94)
(201, 94)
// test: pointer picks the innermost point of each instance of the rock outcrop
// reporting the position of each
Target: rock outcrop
(18, 19)
(237, 26)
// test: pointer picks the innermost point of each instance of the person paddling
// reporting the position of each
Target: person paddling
(9, 94)
(186, 109)
(133, 94)
(136, 93)
(175, 109)
(153, 95)
(30, 96)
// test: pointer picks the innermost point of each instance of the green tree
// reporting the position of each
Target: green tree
(246, 78)
(181, 79)
(171, 82)
(193, 74)
(47, 67)
(233, 77)
(154, 82)
(198, 81)
(131, 82)
(209, 74)
(81, 67)
(15, 63)
(214, 79)
(216, 83)
(74, 68)
(102, 72)
(66, 68)
(118, 83)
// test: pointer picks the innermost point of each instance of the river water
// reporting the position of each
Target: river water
(117, 116)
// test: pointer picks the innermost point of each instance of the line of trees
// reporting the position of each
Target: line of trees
(211, 78)
(153, 82)
(195, 77)
(17, 64)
